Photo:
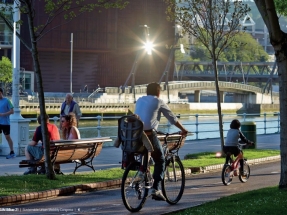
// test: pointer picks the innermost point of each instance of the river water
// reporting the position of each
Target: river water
(207, 126)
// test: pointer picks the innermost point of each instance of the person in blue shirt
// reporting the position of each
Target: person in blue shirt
(150, 108)
(6, 109)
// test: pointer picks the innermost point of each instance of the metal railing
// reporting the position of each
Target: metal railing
(267, 121)
(202, 125)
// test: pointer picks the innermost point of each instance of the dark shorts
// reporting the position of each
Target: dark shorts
(231, 149)
(5, 129)
(37, 152)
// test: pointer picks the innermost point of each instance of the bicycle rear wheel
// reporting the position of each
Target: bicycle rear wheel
(246, 172)
(134, 193)
(174, 180)
(226, 174)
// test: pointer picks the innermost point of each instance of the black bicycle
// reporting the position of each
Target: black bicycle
(231, 169)
(135, 192)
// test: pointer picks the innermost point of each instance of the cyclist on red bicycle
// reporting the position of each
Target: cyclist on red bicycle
(231, 142)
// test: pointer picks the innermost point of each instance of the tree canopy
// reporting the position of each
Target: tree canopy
(281, 7)
(215, 25)
(5, 70)
(244, 48)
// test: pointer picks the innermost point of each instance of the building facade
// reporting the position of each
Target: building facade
(104, 47)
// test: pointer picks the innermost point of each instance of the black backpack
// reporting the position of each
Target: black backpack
(130, 131)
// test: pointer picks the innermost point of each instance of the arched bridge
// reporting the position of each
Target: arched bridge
(210, 85)
(243, 93)
(242, 72)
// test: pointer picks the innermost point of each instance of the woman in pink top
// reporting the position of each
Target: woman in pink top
(69, 129)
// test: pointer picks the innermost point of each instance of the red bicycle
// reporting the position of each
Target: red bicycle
(231, 169)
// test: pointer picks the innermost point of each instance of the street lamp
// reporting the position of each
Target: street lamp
(71, 72)
(16, 65)
(148, 46)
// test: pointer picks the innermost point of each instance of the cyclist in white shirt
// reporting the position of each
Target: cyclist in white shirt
(149, 108)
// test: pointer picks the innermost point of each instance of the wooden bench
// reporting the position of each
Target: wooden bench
(81, 152)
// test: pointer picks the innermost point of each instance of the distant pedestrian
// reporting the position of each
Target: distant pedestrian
(20, 89)
(6, 109)
(86, 88)
(69, 105)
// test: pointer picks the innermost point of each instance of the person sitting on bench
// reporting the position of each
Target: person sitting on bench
(69, 127)
(35, 151)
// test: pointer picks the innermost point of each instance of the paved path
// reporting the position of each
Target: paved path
(111, 157)
(199, 188)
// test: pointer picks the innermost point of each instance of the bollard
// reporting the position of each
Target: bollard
(249, 131)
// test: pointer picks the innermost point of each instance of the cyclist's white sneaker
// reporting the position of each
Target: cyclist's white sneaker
(157, 194)
(140, 176)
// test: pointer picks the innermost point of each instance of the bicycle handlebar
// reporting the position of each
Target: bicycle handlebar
(174, 133)
(167, 134)
(245, 144)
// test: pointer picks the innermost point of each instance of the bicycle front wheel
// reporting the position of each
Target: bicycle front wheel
(134, 192)
(174, 180)
(246, 172)
(226, 174)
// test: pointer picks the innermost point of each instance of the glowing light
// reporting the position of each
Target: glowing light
(218, 154)
(148, 47)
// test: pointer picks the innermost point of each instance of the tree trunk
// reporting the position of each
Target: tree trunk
(278, 39)
(46, 140)
(282, 65)
(214, 63)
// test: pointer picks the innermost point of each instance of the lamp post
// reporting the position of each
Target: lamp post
(18, 125)
(71, 72)
(16, 69)
(148, 48)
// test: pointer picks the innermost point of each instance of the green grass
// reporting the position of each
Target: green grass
(209, 158)
(32, 183)
(269, 200)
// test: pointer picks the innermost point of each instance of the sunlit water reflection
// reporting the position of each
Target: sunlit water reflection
(208, 126)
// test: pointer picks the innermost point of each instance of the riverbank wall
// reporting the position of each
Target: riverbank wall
(115, 109)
